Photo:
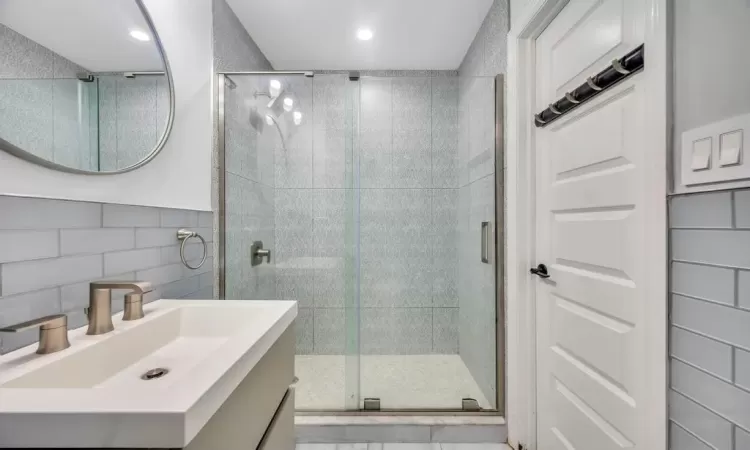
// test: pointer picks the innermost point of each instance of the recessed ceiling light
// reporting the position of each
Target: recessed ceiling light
(140, 35)
(297, 117)
(364, 34)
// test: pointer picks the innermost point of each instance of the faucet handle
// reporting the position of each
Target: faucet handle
(139, 287)
(133, 307)
(53, 332)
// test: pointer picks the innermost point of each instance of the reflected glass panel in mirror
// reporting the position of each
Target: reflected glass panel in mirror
(83, 84)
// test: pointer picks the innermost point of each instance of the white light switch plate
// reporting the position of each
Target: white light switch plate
(730, 148)
(701, 154)
(725, 142)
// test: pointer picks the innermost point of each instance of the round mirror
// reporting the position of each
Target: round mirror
(85, 85)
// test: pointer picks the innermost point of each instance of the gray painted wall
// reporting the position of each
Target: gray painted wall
(710, 38)
(51, 249)
(709, 403)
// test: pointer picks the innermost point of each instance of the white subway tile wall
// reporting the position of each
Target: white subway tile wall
(710, 321)
(51, 249)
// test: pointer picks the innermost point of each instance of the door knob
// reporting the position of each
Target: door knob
(540, 271)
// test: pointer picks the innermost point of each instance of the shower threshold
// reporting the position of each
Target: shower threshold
(381, 427)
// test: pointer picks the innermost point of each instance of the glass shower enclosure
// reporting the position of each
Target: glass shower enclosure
(376, 198)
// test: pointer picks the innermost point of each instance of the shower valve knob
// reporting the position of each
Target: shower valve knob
(257, 253)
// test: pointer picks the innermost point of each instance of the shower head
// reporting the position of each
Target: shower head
(271, 120)
(259, 121)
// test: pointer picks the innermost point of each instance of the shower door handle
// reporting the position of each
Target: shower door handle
(486, 242)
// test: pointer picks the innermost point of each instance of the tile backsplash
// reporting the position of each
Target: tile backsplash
(51, 249)
(709, 399)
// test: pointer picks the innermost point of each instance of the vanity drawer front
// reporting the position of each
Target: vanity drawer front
(280, 434)
(243, 420)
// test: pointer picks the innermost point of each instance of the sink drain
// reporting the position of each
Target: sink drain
(154, 373)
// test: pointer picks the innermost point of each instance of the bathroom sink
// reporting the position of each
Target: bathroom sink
(153, 382)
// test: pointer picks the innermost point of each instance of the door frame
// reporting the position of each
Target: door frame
(521, 218)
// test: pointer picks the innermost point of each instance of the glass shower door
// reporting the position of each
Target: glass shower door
(328, 365)
(427, 186)
(376, 197)
(288, 181)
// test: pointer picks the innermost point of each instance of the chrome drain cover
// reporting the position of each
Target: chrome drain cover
(155, 373)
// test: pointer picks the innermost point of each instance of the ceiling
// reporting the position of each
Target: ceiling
(321, 34)
(91, 33)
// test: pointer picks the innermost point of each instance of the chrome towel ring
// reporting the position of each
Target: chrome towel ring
(184, 236)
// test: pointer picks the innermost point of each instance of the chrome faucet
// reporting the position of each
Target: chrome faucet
(100, 303)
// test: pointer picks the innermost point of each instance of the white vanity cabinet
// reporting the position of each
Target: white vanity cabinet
(259, 414)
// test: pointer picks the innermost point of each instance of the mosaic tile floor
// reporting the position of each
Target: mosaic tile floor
(400, 381)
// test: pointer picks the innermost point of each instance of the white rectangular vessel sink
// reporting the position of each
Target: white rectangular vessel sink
(153, 382)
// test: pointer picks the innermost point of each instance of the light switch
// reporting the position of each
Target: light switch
(730, 148)
(701, 155)
(713, 153)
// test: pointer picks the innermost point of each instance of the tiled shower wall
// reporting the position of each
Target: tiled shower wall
(313, 184)
(39, 102)
(51, 249)
(409, 177)
(710, 318)
(249, 172)
(408, 169)
(42, 100)
(250, 195)
(133, 114)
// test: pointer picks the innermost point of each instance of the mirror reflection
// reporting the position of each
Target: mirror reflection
(82, 84)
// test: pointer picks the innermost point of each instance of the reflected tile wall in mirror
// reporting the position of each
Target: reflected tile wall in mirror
(102, 107)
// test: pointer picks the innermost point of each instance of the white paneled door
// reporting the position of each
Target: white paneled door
(597, 216)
